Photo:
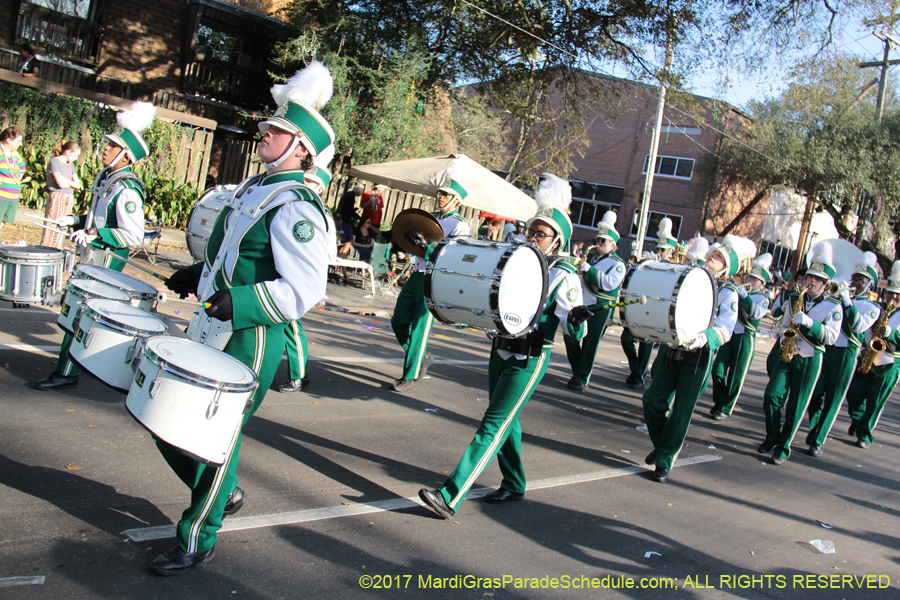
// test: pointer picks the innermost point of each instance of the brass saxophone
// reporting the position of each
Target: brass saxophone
(877, 345)
(789, 337)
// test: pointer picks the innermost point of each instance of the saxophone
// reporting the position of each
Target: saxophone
(877, 345)
(789, 337)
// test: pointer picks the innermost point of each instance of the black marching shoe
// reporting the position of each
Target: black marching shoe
(234, 503)
(500, 496)
(778, 460)
(574, 385)
(862, 444)
(815, 450)
(661, 475)
(54, 381)
(435, 501)
(293, 385)
(176, 561)
(852, 431)
(651, 458)
(629, 379)
(765, 447)
(401, 385)
(720, 416)
(636, 385)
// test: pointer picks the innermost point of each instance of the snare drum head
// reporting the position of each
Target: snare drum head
(206, 362)
(115, 279)
(695, 303)
(32, 252)
(125, 314)
(98, 289)
(522, 290)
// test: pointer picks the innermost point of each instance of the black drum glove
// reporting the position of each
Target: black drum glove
(579, 315)
(221, 307)
(183, 282)
(418, 240)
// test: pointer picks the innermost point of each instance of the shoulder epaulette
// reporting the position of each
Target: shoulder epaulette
(566, 267)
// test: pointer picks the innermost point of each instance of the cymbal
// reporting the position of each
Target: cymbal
(414, 220)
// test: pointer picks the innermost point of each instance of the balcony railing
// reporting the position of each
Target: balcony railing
(226, 83)
(59, 34)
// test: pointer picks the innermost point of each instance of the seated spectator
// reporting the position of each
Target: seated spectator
(344, 246)
(364, 238)
(518, 233)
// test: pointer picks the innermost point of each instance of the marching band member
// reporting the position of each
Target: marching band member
(666, 245)
(734, 357)
(680, 373)
(274, 270)
(412, 320)
(791, 383)
(115, 220)
(839, 363)
(602, 272)
(517, 364)
(869, 392)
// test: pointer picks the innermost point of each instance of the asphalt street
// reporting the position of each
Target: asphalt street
(331, 476)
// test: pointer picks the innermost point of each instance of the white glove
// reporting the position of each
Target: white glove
(83, 238)
(697, 342)
(802, 319)
(887, 330)
(845, 297)
(66, 221)
(585, 266)
(742, 292)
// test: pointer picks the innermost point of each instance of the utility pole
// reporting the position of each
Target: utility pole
(886, 36)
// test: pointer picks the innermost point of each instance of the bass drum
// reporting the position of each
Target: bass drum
(203, 216)
(681, 301)
(31, 274)
(499, 287)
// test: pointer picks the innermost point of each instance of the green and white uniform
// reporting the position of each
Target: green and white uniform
(117, 213)
(838, 366)
(275, 269)
(512, 378)
(297, 349)
(672, 396)
(791, 384)
(412, 320)
(601, 277)
(869, 392)
(735, 356)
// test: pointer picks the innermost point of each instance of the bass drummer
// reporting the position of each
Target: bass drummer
(116, 218)
(517, 365)
(681, 372)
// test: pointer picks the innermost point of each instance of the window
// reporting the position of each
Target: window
(219, 44)
(73, 8)
(590, 201)
(682, 130)
(653, 224)
(671, 166)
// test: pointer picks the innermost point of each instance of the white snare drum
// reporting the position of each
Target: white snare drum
(30, 274)
(203, 216)
(192, 396)
(77, 293)
(681, 301)
(142, 295)
(92, 255)
(494, 286)
(109, 337)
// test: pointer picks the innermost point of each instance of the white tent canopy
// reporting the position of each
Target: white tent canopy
(486, 191)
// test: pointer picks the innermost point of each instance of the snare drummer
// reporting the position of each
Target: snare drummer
(273, 272)
(517, 365)
(412, 320)
(602, 272)
(680, 373)
(116, 217)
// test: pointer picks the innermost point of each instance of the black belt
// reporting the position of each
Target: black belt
(691, 357)
(531, 344)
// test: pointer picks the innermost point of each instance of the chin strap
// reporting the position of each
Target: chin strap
(284, 156)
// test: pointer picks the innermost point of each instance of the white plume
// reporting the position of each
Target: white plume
(743, 247)
(895, 271)
(553, 192)
(311, 86)
(821, 253)
(608, 221)
(455, 170)
(323, 158)
(698, 248)
(665, 229)
(868, 260)
(138, 118)
(763, 261)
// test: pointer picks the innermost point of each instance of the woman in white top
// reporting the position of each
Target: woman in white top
(62, 181)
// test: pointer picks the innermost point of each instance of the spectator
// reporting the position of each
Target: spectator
(347, 205)
(518, 234)
(373, 205)
(491, 229)
(12, 170)
(62, 181)
(508, 228)
(30, 63)
(577, 249)
(344, 246)
(364, 239)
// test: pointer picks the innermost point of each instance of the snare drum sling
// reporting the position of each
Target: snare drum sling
(512, 378)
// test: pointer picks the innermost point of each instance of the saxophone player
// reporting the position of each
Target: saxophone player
(816, 321)
(869, 392)
(839, 363)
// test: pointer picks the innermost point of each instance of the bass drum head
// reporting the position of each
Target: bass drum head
(522, 292)
(694, 303)
(201, 361)
(115, 279)
(125, 315)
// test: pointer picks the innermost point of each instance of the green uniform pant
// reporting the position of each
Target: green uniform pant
(297, 349)
(787, 395)
(730, 368)
(260, 349)
(411, 323)
(837, 372)
(510, 385)
(581, 355)
(64, 364)
(869, 393)
(670, 400)
(638, 360)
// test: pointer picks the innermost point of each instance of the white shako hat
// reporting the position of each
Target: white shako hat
(760, 267)
(299, 102)
(868, 266)
(893, 284)
(664, 233)
(319, 172)
(132, 123)
(821, 261)
(450, 180)
(553, 197)
(734, 249)
(698, 248)
(606, 228)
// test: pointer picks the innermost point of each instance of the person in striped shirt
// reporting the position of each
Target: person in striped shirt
(12, 170)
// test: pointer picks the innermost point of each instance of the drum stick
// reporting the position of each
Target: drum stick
(42, 219)
(163, 297)
(139, 267)
(639, 300)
